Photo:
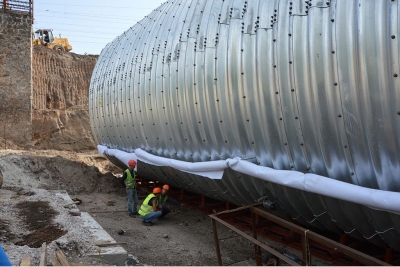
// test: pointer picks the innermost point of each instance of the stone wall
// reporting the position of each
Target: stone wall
(15, 79)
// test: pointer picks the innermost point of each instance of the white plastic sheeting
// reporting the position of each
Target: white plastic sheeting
(375, 199)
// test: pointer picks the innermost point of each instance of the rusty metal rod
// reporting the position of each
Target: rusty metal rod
(255, 241)
(305, 249)
(257, 249)
(352, 253)
(216, 242)
(389, 255)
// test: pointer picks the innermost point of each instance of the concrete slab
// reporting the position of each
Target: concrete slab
(115, 255)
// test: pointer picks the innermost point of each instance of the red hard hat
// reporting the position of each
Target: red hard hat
(166, 187)
(131, 162)
(156, 190)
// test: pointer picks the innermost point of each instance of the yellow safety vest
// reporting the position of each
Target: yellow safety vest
(161, 200)
(130, 181)
(146, 208)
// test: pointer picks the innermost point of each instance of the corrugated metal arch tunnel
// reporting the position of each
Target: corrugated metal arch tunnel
(307, 88)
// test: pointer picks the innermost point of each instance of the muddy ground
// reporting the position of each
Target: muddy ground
(32, 212)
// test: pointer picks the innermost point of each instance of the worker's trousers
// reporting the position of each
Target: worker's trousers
(151, 216)
(132, 199)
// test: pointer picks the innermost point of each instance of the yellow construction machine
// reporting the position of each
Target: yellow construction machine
(45, 37)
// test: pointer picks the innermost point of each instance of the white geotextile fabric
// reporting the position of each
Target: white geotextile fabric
(373, 198)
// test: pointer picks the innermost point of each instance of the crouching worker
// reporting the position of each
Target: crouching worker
(163, 198)
(149, 210)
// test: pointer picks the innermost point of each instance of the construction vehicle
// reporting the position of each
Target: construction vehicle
(45, 37)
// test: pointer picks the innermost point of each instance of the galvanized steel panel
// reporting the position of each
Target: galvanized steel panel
(292, 85)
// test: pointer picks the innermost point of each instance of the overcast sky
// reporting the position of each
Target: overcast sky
(90, 25)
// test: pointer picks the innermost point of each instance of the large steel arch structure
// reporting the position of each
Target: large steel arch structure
(242, 100)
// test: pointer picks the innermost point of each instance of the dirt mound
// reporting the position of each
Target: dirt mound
(60, 173)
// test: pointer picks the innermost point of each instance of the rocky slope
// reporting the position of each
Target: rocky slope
(60, 117)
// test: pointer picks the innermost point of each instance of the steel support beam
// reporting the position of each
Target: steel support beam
(307, 234)
(251, 239)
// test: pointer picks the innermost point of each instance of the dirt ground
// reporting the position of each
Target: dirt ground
(184, 237)
(32, 211)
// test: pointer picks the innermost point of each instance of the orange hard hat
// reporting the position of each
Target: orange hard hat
(166, 187)
(131, 162)
(156, 190)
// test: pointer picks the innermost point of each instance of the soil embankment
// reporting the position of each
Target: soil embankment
(60, 116)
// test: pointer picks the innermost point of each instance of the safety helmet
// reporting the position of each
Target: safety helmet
(131, 162)
(166, 187)
(156, 190)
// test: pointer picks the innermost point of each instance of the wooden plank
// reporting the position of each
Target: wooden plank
(111, 244)
(79, 264)
(62, 259)
(54, 261)
(25, 262)
(43, 255)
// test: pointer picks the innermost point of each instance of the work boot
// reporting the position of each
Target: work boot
(147, 223)
(132, 215)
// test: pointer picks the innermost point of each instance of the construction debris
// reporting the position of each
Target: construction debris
(108, 202)
(75, 212)
(72, 203)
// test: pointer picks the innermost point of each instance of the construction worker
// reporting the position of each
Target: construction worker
(129, 179)
(163, 198)
(149, 210)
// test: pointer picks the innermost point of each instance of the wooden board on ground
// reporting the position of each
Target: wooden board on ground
(55, 261)
(61, 258)
(25, 262)
(43, 255)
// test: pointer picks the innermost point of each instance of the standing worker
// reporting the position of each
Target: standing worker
(129, 179)
(149, 210)
(163, 198)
